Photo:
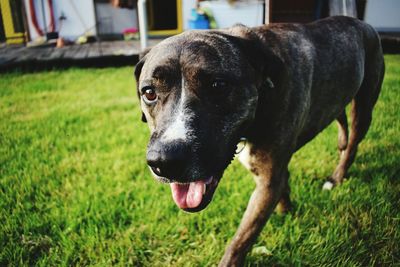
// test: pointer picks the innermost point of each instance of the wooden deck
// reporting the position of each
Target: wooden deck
(97, 54)
(101, 54)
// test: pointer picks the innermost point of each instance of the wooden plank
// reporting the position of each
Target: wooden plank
(47, 57)
(3, 48)
(26, 54)
(94, 50)
(107, 49)
(153, 42)
(11, 54)
(44, 53)
(130, 49)
(118, 48)
(82, 52)
(71, 51)
(58, 53)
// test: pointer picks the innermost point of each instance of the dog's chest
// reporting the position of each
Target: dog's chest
(245, 155)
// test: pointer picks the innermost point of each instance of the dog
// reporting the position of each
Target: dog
(277, 86)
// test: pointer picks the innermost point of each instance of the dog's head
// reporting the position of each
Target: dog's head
(198, 94)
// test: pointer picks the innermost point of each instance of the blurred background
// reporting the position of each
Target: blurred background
(59, 23)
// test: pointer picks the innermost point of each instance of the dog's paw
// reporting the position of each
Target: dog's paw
(328, 185)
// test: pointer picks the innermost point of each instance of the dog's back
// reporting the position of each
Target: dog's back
(330, 62)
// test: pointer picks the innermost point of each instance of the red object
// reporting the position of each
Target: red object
(130, 30)
(34, 18)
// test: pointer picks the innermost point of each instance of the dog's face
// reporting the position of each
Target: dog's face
(198, 94)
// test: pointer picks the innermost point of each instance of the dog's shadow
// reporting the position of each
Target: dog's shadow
(374, 162)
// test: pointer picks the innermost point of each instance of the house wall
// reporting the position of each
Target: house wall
(384, 15)
(226, 15)
(187, 6)
(80, 18)
(114, 20)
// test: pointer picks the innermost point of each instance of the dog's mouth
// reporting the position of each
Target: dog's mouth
(194, 196)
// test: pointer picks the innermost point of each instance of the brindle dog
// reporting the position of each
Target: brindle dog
(278, 86)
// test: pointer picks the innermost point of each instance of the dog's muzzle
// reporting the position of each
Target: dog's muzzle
(171, 163)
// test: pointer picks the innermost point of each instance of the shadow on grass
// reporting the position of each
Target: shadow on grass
(379, 161)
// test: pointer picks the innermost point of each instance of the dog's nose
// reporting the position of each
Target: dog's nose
(168, 160)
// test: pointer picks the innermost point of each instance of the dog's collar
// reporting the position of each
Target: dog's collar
(240, 149)
(270, 83)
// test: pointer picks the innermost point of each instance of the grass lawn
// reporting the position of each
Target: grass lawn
(75, 190)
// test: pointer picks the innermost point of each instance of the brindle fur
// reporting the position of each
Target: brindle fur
(290, 82)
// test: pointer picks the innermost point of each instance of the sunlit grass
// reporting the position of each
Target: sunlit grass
(75, 190)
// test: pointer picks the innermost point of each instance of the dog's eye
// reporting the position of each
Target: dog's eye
(219, 84)
(149, 95)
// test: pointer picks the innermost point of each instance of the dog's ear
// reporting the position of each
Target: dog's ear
(261, 59)
(139, 65)
(138, 71)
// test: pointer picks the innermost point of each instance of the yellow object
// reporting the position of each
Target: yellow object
(81, 40)
(12, 37)
(179, 19)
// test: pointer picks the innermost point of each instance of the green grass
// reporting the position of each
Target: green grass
(75, 190)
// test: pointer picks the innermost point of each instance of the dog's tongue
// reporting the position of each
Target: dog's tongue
(188, 195)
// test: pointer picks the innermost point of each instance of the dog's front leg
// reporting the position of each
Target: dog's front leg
(269, 185)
